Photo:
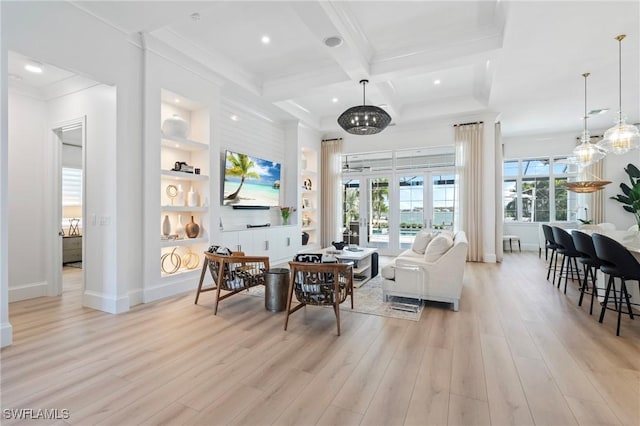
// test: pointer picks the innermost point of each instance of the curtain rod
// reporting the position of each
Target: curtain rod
(331, 140)
(468, 124)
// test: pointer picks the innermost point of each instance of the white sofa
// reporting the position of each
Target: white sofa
(418, 276)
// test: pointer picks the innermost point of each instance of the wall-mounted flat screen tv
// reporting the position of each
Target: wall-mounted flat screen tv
(250, 181)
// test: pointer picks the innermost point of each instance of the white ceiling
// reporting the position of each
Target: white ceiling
(522, 59)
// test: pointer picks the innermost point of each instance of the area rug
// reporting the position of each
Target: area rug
(367, 299)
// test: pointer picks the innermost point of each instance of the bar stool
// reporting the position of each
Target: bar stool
(568, 251)
(590, 262)
(550, 244)
(618, 262)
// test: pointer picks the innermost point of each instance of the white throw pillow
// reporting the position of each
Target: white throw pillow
(438, 246)
(421, 241)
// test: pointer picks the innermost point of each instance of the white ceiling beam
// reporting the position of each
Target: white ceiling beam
(421, 61)
(303, 84)
(216, 62)
(299, 112)
(326, 19)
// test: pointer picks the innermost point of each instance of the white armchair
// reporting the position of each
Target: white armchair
(412, 276)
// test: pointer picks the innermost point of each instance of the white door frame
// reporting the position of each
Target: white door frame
(55, 266)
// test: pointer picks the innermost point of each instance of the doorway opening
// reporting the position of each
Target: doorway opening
(70, 141)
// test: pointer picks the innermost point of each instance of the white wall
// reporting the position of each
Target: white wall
(29, 196)
(98, 104)
(63, 35)
(72, 156)
(254, 135)
(6, 330)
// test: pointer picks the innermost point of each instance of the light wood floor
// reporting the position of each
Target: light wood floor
(518, 352)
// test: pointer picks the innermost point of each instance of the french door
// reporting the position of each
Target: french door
(366, 211)
(386, 211)
(425, 201)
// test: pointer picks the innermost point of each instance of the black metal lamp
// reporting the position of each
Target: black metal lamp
(364, 119)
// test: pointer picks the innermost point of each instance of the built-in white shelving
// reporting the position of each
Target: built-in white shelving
(194, 151)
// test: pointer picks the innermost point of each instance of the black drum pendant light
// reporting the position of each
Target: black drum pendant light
(364, 119)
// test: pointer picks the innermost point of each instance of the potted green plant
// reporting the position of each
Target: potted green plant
(630, 197)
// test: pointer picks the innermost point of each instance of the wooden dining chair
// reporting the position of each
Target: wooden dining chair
(232, 273)
(321, 284)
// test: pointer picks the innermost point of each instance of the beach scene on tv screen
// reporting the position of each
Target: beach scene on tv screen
(250, 181)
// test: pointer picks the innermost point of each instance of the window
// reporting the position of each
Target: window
(533, 190)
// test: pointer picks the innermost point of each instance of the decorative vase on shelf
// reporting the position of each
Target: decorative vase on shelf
(192, 229)
(180, 228)
(180, 196)
(166, 226)
(192, 198)
(176, 127)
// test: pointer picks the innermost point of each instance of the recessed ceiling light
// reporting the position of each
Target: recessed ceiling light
(234, 117)
(265, 39)
(436, 82)
(334, 100)
(176, 100)
(36, 69)
(333, 41)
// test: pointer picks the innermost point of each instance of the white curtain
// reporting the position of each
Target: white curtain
(596, 199)
(331, 196)
(498, 206)
(469, 168)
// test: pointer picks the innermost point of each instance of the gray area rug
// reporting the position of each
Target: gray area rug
(367, 299)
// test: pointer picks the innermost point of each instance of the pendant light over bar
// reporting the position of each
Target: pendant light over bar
(622, 137)
(587, 153)
(364, 119)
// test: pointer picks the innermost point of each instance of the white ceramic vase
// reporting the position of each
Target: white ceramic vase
(180, 227)
(175, 127)
(166, 226)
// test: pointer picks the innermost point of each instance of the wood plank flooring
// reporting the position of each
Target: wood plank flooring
(519, 351)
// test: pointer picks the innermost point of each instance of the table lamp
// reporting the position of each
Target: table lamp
(73, 213)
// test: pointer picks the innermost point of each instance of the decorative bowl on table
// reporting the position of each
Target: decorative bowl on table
(339, 245)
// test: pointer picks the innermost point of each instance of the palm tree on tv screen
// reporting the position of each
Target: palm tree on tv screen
(241, 166)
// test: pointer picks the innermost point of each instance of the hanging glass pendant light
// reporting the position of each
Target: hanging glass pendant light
(622, 137)
(364, 119)
(587, 153)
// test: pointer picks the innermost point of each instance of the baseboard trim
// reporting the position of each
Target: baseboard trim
(28, 291)
(6, 334)
(101, 302)
(171, 288)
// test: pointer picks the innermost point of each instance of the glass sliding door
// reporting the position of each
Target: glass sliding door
(376, 225)
(411, 199)
(443, 200)
(351, 211)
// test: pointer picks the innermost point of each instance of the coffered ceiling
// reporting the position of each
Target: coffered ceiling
(426, 60)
